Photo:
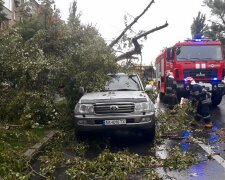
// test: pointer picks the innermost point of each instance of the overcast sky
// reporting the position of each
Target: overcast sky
(108, 17)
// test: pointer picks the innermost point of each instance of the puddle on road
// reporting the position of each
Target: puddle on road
(206, 168)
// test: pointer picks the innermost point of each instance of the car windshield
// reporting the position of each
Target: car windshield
(193, 53)
(123, 83)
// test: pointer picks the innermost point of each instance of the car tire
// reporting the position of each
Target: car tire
(149, 134)
(79, 136)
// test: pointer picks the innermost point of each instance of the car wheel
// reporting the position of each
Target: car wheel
(149, 134)
(79, 136)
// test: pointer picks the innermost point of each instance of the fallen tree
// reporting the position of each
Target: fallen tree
(137, 47)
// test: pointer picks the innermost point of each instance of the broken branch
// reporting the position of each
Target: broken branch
(137, 47)
(130, 25)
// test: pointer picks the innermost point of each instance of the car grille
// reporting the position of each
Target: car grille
(200, 73)
(113, 108)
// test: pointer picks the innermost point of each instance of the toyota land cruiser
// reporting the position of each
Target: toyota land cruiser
(123, 104)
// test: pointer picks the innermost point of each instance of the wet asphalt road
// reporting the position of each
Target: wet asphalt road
(214, 145)
(213, 169)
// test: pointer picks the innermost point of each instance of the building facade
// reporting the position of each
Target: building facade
(11, 9)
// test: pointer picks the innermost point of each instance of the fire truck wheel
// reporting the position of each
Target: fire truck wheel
(216, 99)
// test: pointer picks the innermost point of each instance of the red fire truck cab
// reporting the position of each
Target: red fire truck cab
(201, 59)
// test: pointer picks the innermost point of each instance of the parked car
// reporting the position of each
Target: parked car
(122, 105)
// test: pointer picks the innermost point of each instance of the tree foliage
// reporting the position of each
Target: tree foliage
(42, 53)
(28, 81)
(45, 21)
(217, 26)
(90, 56)
(198, 26)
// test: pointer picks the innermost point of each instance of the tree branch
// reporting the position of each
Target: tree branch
(137, 47)
(151, 31)
(130, 25)
(126, 55)
(221, 16)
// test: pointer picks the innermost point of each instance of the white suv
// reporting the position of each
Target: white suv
(123, 104)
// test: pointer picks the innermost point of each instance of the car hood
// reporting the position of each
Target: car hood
(114, 96)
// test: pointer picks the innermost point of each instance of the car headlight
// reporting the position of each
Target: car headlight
(144, 107)
(84, 109)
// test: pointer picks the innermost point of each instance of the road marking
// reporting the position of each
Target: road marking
(218, 158)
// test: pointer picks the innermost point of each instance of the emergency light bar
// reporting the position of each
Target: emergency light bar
(198, 40)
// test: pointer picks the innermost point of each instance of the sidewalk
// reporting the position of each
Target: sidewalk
(34, 150)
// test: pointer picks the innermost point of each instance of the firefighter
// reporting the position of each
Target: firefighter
(170, 98)
(201, 100)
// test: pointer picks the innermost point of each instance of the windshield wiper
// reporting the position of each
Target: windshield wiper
(182, 58)
(131, 77)
(194, 58)
(207, 58)
(125, 90)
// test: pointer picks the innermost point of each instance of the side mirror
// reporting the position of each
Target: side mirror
(178, 51)
(148, 88)
(81, 90)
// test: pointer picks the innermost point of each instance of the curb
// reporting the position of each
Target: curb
(34, 150)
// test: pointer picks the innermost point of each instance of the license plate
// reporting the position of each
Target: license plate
(115, 122)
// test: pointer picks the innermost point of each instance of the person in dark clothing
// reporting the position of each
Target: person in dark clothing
(201, 99)
(170, 98)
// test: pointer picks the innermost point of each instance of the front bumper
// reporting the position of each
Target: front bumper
(210, 87)
(96, 123)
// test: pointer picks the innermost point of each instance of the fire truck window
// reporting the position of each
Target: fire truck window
(168, 55)
(200, 53)
(172, 53)
(162, 67)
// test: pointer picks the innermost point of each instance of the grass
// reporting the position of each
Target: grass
(19, 138)
(14, 141)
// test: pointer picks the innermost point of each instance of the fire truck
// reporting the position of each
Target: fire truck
(201, 59)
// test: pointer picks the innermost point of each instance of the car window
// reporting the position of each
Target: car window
(123, 83)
